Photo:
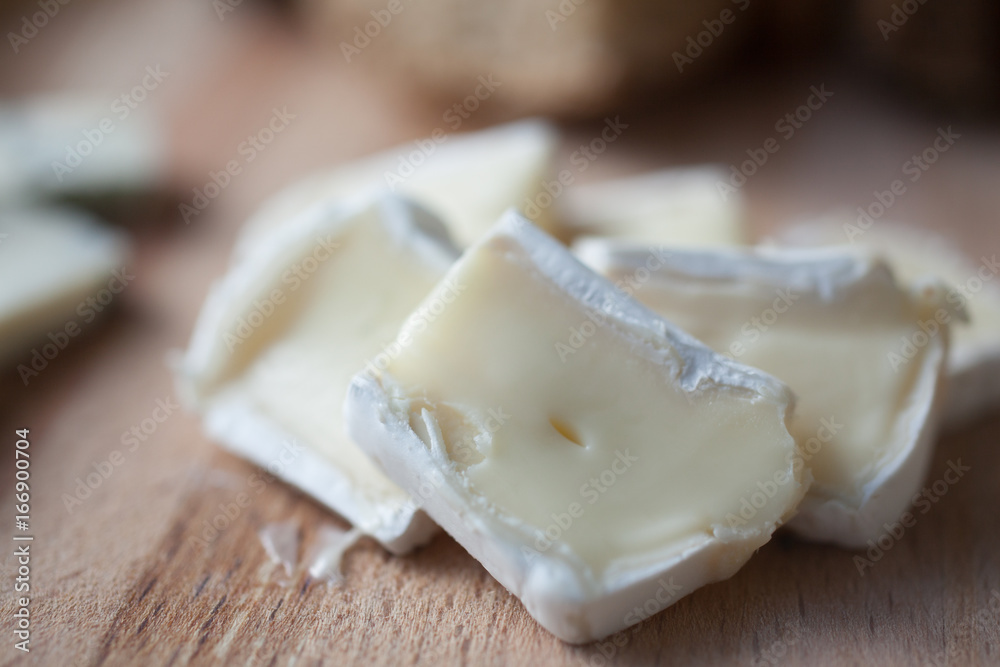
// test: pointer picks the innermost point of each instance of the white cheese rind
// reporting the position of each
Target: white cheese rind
(974, 357)
(570, 596)
(51, 260)
(467, 179)
(298, 350)
(549, 588)
(238, 425)
(679, 207)
(855, 290)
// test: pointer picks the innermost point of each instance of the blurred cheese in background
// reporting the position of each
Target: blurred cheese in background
(60, 267)
(78, 147)
(51, 261)
(566, 57)
(468, 179)
(676, 207)
(572, 58)
(974, 358)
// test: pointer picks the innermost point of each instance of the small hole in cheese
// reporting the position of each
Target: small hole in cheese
(566, 431)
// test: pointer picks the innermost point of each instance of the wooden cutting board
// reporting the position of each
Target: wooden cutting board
(120, 578)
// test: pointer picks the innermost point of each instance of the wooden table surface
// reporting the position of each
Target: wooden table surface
(120, 579)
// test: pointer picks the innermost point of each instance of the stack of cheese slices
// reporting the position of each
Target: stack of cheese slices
(648, 404)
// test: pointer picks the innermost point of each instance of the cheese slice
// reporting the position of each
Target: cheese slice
(588, 453)
(467, 179)
(863, 355)
(51, 260)
(678, 207)
(77, 146)
(974, 359)
(282, 333)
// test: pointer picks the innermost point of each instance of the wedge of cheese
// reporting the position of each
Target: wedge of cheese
(864, 356)
(282, 333)
(589, 454)
(974, 359)
(468, 179)
(51, 261)
(677, 207)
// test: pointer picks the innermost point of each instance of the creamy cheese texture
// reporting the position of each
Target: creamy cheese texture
(974, 284)
(574, 426)
(468, 179)
(285, 330)
(859, 351)
(51, 260)
(681, 207)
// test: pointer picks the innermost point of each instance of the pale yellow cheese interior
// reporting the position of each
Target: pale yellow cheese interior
(529, 434)
(677, 207)
(468, 180)
(913, 260)
(297, 369)
(836, 358)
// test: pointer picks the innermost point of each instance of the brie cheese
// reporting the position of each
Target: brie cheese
(583, 449)
(282, 333)
(467, 179)
(974, 359)
(863, 355)
(72, 146)
(676, 207)
(51, 261)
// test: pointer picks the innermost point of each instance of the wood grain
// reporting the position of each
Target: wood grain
(122, 580)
